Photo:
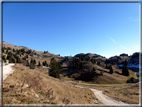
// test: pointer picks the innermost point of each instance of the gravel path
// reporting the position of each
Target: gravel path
(7, 69)
(105, 99)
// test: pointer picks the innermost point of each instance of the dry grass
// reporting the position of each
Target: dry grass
(34, 86)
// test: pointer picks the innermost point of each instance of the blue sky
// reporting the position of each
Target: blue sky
(67, 29)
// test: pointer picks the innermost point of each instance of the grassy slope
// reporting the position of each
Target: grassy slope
(26, 86)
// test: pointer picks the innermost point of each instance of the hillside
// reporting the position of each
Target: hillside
(70, 66)
(27, 86)
(33, 85)
(25, 53)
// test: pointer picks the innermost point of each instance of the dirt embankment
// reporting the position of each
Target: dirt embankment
(26, 86)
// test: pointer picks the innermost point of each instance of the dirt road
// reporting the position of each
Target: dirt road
(7, 69)
(104, 99)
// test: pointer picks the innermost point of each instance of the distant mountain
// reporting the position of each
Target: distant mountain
(133, 62)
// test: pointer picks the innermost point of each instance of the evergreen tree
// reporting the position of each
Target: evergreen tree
(2, 49)
(111, 70)
(27, 63)
(13, 60)
(94, 69)
(101, 73)
(13, 50)
(55, 70)
(106, 66)
(45, 63)
(32, 66)
(3, 58)
(98, 63)
(6, 51)
(125, 70)
(18, 60)
(39, 63)
(34, 61)
(81, 65)
(92, 60)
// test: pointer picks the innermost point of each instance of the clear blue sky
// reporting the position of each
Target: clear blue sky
(67, 29)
